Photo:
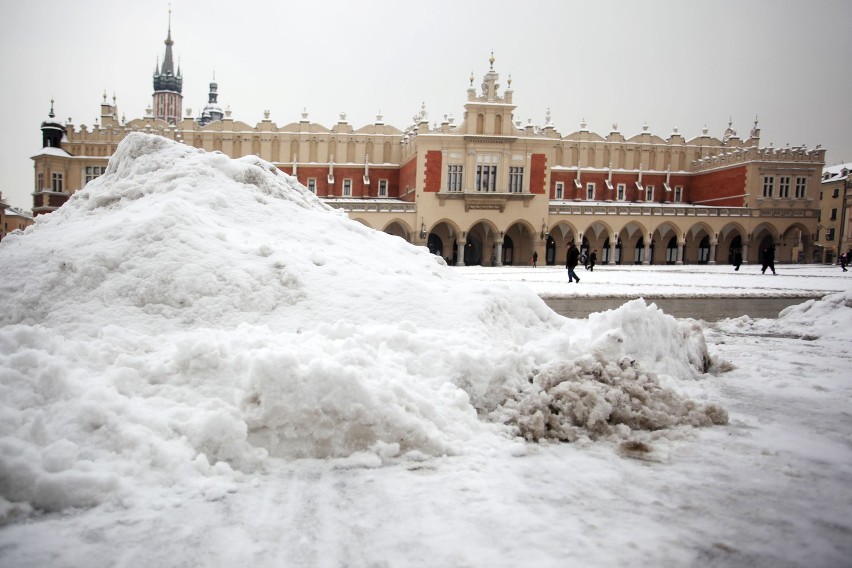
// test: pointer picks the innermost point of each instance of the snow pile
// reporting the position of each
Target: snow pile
(829, 317)
(187, 317)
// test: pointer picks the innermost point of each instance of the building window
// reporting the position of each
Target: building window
(829, 234)
(56, 182)
(39, 182)
(833, 216)
(516, 179)
(801, 185)
(312, 185)
(486, 173)
(454, 177)
(560, 190)
(383, 188)
(768, 185)
(94, 172)
(649, 193)
(347, 188)
(590, 191)
(619, 192)
(784, 186)
(678, 196)
(836, 192)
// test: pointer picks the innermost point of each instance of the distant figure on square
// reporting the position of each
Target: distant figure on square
(593, 258)
(768, 259)
(535, 258)
(571, 262)
(738, 259)
(844, 260)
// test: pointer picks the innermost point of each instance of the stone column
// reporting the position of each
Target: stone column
(613, 241)
(712, 259)
(745, 253)
(460, 252)
(646, 260)
(681, 245)
(498, 250)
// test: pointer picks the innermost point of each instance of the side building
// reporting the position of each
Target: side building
(490, 191)
(834, 231)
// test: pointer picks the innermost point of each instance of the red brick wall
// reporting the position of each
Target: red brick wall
(359, 189)
(407, 179)
(720, 183)
(538, 165)
(433, 171)
(567, 178)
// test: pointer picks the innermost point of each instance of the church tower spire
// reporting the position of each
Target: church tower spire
(168, 100)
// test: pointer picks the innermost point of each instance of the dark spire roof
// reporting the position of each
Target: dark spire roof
(165, 78)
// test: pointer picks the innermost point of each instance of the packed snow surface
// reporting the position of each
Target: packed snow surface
(201, 364)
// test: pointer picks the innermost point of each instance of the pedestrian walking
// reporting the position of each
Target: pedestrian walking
(768, 259)
(571, 261)
(593, 258)
(844, 260)
(535, 258)
(738, 259)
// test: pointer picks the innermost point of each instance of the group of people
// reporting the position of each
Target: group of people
(573, 260)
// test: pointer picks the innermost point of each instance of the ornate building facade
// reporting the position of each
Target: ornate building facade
(489, 190)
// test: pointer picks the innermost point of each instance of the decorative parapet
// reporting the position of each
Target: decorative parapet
(754, 154)
(605, 209)
(359, 206)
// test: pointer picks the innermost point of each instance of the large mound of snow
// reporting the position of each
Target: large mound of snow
(187, 316)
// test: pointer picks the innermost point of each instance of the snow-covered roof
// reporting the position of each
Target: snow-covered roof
(834, 173)
(52, 151)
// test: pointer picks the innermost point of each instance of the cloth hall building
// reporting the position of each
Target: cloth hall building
(487, 189)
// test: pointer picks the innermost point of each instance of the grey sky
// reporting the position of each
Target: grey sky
(666, 63)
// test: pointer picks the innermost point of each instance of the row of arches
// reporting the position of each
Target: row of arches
(667, 243)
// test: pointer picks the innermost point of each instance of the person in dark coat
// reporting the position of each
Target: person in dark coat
(535, 258)
(593, 258)
(844, 260)
(738, 259)
(572, 261)
(768, 259)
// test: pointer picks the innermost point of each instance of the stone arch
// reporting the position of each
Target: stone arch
(632, 238)
(522, 236)
(762, 236)
(795, 244)
(362, 221)
(449, 234)
(398, 228)
(480, 243)
(350, 152)
(698, 248)
(732, 238)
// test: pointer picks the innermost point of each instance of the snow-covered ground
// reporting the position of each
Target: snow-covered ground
(201, 365)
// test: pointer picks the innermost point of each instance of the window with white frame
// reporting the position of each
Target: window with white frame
(454, 177)
(94, 172)
(516, 179)
(56, 182)
(39, 182)
(801, 185)
(347, 188)
(560, 190)
(486, 173)
(383, 188)
(768, 186)
(784, 186)
(590, 191)
(620, 190)
(312, 185)
(678, 193)
(649, 193)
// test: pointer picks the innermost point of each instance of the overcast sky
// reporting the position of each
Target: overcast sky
(666, 63)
